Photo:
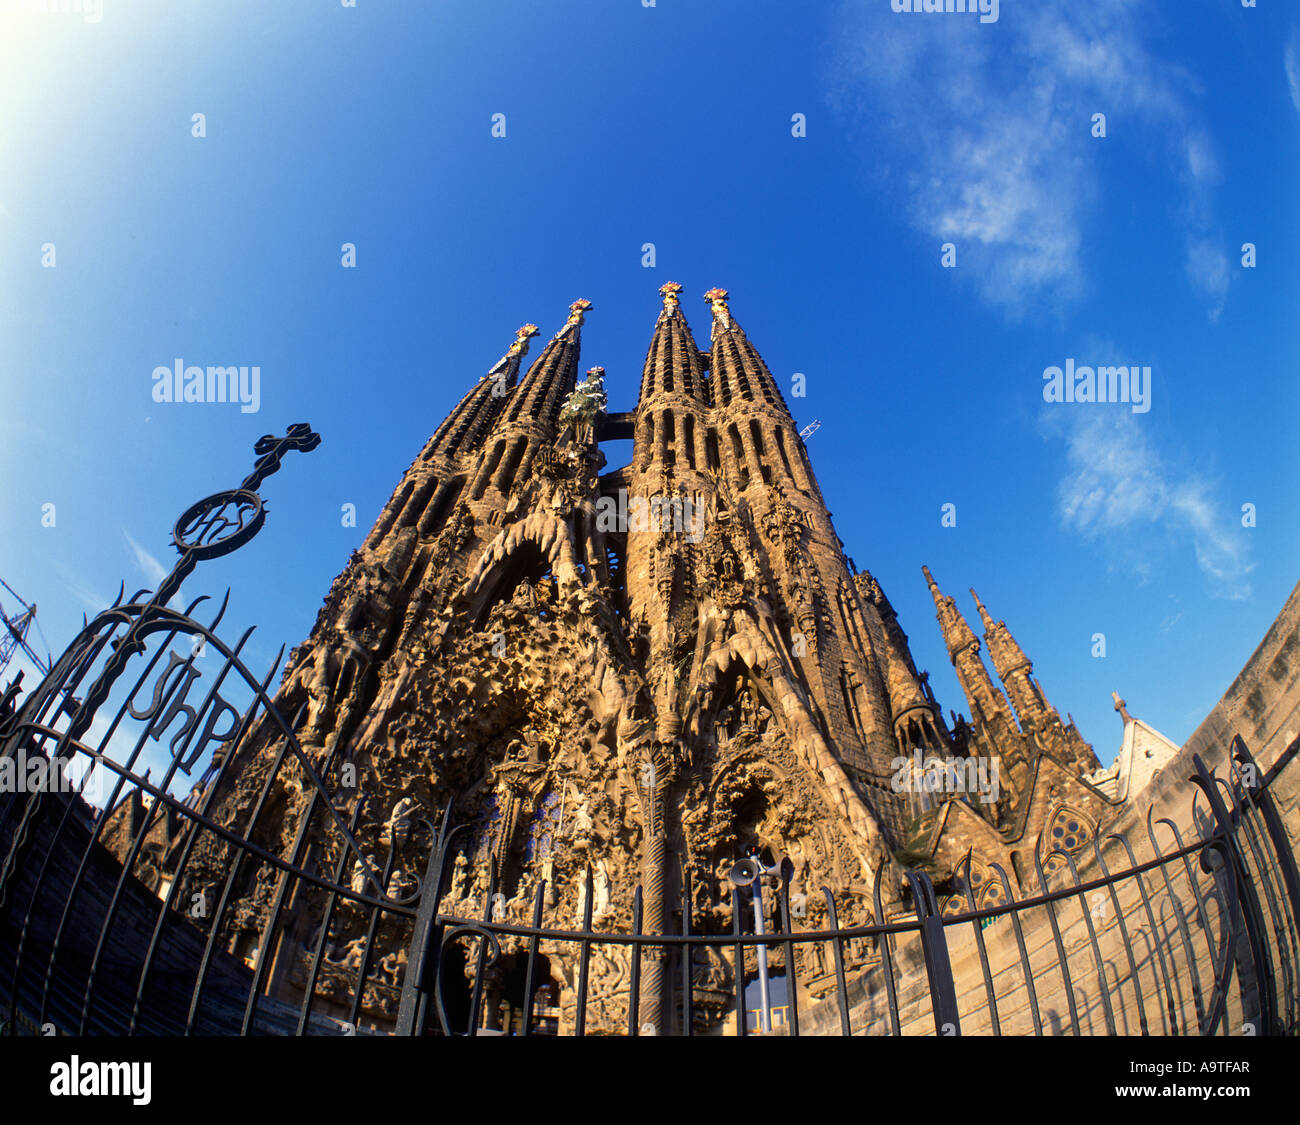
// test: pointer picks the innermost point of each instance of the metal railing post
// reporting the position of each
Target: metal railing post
(934, 945)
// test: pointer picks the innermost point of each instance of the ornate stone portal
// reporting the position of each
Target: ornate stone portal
(643, 674)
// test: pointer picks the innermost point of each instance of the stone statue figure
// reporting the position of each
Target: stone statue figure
(361, 883)
(517, 908)
(582, 823)
(748, 711)
(402, 817)
(600, 890)
(525, 597)
(459, 878)
(599, 894)
(318, 680)
(548, 877)
(401, 885)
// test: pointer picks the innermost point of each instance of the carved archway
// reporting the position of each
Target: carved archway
(524, 565)
(766, 670)
(545, 536)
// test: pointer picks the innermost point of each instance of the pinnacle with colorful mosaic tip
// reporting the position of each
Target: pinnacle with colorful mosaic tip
(740, 377)
(522, 336)
(552, 376)
(670, 291)
(466, 427)
(577, 310)
(673, 364)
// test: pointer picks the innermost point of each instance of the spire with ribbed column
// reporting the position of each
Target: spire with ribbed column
(671, 429)
(436, 479)
(739, 373)
(673, 364)
(1006, 654)
(761, 460)
(531, 417)
(1036, 714)
(994, 721)
(465, 427)
(758, 438)
(1014, 670)
(673, 455)
(985, 699)
(552, 376)
(957, 635)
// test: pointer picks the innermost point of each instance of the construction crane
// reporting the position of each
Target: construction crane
(14, 634)
(810, 429)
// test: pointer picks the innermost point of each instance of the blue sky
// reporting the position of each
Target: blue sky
(672, 125)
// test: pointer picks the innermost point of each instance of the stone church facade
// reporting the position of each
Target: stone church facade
(647, 673)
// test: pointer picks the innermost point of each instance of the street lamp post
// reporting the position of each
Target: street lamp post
(749, 872)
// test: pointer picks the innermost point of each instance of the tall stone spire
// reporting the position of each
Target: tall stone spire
(957, 635)
(673, 364)
(759, 442)
(530, 419)
(990, 711)
(466, 426)
(672, 433)
(737, 608)
(1015, 671)
(1037, 716)
(552, 376)
(436, 478)
(1006, 654)
(739, 373)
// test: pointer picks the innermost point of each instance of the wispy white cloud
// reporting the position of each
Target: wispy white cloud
(92, 600)
(1118, 489)
(1207, 267)
(149, 566)
(1291, 61)
(984, 133)
(152, 569)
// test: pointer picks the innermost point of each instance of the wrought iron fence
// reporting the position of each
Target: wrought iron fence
(1199, 939)
(129, 905)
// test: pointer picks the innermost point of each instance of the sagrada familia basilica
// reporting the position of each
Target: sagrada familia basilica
(649, 672)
